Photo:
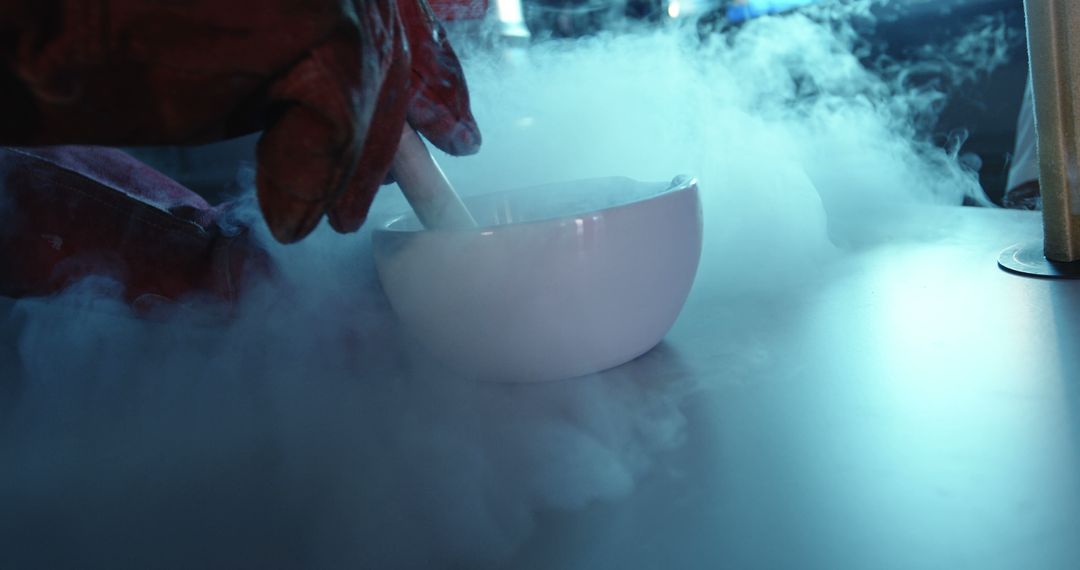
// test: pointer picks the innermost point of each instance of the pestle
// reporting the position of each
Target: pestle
(430, 194)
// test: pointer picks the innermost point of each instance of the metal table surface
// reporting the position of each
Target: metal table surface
(921, 409)
(904, 405)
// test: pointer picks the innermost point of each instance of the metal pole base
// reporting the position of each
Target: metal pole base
(1027, 259)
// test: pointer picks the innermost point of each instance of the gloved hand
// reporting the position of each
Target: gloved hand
(74, 212)
(331, 82)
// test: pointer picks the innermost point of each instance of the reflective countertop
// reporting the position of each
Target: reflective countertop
(919, 409)
(904, 404)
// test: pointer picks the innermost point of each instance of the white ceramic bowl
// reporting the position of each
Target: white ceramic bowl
(559, 281)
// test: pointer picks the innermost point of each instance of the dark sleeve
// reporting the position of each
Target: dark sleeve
(130, 72)
(23, 23)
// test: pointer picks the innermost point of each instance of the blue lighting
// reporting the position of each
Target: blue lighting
(742, 11)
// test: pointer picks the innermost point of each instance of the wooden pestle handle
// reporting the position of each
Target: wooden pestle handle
(425, 186)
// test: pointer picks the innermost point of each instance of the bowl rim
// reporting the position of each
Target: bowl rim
(680, 183)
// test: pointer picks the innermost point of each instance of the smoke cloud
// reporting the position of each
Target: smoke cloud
(311, 432)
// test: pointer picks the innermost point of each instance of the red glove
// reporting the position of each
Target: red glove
(73, 212)
(330, 81)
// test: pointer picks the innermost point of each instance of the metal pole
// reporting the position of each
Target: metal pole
(1053, 29)
(1053, 33)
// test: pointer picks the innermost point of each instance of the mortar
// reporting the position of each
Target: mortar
(556, 281)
